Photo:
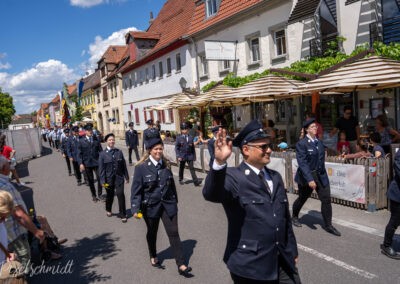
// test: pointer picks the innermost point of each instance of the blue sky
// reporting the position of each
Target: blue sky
(44, 43)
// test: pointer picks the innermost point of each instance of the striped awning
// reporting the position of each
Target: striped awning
(375, 72)
(172, 102)
(267, 88)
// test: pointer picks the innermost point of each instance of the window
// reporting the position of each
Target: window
(129, 116)
(115, 89)
(130, 81)
(178, 62)
(168, 66)
(103, 71)
(160, 69)
(203, 65)
(254, 45)
(105, 94)
(280, 42)
(224, 66)
(137, 119)
(147, 75)
(153, 72)
(98, 96)
(145, 114)
(117, 115)
(141, 77)
(212, 7)
(151, 115)
(171, 115)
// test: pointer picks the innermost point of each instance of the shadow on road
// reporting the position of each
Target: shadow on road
(187, 246)
(22, 169)
(78, 263)
(311, 221)
(46, 151)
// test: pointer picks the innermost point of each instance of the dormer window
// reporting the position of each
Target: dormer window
(212, 7)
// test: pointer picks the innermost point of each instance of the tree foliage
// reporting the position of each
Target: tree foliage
(7, 109)
(78, 116)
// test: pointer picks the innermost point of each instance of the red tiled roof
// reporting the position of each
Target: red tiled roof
(56, 99)
(227, 9)
(144, 35)
(114, 54)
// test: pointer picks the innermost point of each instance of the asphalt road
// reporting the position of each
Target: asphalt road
(102, 249)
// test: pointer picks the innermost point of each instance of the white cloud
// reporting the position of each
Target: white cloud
(92, 3)
(100, 45)
(4, 65)
(87, 3)
(36, 85)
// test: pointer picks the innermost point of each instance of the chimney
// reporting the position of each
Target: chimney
(151, 18)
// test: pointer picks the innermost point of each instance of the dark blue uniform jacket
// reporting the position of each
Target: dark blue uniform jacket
(154, 190)
(88, 153)
(259, 225)
(184, 148)
(112, 167)
(394, 187)
(72, 147)
(311, 160)
(131, 138)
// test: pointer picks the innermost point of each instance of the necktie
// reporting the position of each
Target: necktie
(262, 177)
(90, 140)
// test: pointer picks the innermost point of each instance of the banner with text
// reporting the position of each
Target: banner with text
(347, 181)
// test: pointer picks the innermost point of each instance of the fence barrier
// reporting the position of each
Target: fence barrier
(360, 183)
(26, 142)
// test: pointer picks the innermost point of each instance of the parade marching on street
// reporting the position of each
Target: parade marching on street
(103, 249)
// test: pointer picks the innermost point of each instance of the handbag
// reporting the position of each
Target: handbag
(11, 272)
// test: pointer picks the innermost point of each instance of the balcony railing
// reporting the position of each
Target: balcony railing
(391, 30)
(319, 46)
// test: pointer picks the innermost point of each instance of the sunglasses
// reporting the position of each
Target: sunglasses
(262, 147)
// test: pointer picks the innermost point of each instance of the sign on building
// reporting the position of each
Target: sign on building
(220, 50)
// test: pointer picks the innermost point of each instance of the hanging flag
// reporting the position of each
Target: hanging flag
(65, 117)
(79, 88)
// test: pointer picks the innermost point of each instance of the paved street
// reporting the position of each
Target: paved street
(102, 249)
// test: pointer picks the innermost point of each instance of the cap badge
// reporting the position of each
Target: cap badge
(247, 172)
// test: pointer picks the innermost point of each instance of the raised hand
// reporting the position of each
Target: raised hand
(223, 147)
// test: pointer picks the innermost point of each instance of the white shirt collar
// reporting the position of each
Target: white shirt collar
(257, 171)
(312, 140)
(154, 161)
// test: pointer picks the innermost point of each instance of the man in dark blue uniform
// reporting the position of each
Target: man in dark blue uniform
(64, 152)
(393, 195)
(311, 175)
(149, 133)
(89, 149)
(261, 245)
(72, 152)
(211, 143)
(132, 142)
(185, 153)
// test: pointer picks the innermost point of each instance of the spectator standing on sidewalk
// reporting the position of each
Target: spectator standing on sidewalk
(349, 124)
(112, 171)
(89, 150)
(261, 246)
(132, 142)
(393, 195)
(185, 153)
(19, 221)
(311, 175)
(9, 153)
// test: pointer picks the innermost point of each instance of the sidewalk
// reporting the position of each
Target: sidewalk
(362, 220)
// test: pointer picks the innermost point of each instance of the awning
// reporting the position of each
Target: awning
(375, 72)
(267, 88)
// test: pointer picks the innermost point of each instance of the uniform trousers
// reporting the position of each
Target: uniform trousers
(77, 172)
(324, 195)
(394, 222)
(119, 191)
(57, 143)
(286, 276)
(68, 164)
(171, 227)
(130, 154)
(90, 179)
(191, 168)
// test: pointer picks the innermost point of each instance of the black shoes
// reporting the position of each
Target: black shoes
(296, 222)
(157, 264)
(186, 273)
(390, 252)
(79, 183)
(197, 183)
(94, 199)
(181, 182)
(332, 230)
(101, 198)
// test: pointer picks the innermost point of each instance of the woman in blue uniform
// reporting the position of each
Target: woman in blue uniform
(153, 193)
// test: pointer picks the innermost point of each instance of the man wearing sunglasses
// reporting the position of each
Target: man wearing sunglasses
(261, 245)
(349, 124)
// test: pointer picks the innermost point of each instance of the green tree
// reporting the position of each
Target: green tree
(7, 109)
(78, 110)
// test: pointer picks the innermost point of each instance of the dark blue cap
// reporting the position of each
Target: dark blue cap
(88, 127)
(252, 131)
(130, 123)
(216, 128)
(185, 125)
(108, 135)
(66, 130)
(149, 122)
(153, 142)
(75, 129)
(307, 123)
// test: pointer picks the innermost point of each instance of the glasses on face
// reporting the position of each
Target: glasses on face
(262, 147)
